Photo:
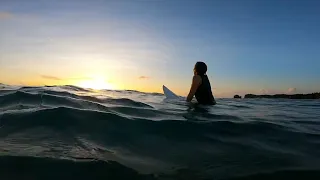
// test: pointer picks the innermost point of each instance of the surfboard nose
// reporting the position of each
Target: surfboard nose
(168, 93)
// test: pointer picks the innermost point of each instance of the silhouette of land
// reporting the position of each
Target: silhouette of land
(237, 97)
(287, 96)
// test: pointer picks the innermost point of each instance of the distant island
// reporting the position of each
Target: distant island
(287, 96)
(237, 97)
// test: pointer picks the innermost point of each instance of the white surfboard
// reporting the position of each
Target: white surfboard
(169, 94)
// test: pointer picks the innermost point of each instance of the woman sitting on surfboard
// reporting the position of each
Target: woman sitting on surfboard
(201, 87)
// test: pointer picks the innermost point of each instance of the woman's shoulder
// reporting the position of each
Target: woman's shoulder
(197, 77)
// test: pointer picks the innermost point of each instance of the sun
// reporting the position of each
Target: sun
(97, 83)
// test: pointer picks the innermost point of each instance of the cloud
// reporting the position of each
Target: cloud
(5, 15)
(59, 79)
(51, 77)
(292, 90)
(144, 77)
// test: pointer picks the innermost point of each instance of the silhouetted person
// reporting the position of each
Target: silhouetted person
(201, 87)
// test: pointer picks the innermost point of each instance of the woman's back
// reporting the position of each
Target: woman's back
(204, 93)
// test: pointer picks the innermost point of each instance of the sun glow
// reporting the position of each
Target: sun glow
(97, 83)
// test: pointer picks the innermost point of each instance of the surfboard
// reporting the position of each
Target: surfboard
(168, 93)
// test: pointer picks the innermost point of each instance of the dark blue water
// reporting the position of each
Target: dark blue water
(72, 133)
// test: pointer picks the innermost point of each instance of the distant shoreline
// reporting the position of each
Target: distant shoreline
(286, 96)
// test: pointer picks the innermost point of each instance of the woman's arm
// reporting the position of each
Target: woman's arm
(196, 81)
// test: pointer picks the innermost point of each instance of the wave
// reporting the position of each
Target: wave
(22, 167)
(62, 99)
(74, 88)
(6, 92)
(110, 121)
(136, 135)
(14, 167)
(282, 174)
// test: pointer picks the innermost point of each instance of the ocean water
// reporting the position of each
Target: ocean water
(68, 132)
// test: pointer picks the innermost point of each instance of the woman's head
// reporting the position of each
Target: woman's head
(200, 68)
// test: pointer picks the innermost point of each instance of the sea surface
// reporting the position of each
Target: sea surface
(67, 132)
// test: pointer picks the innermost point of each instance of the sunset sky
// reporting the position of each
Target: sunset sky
(250, 46)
